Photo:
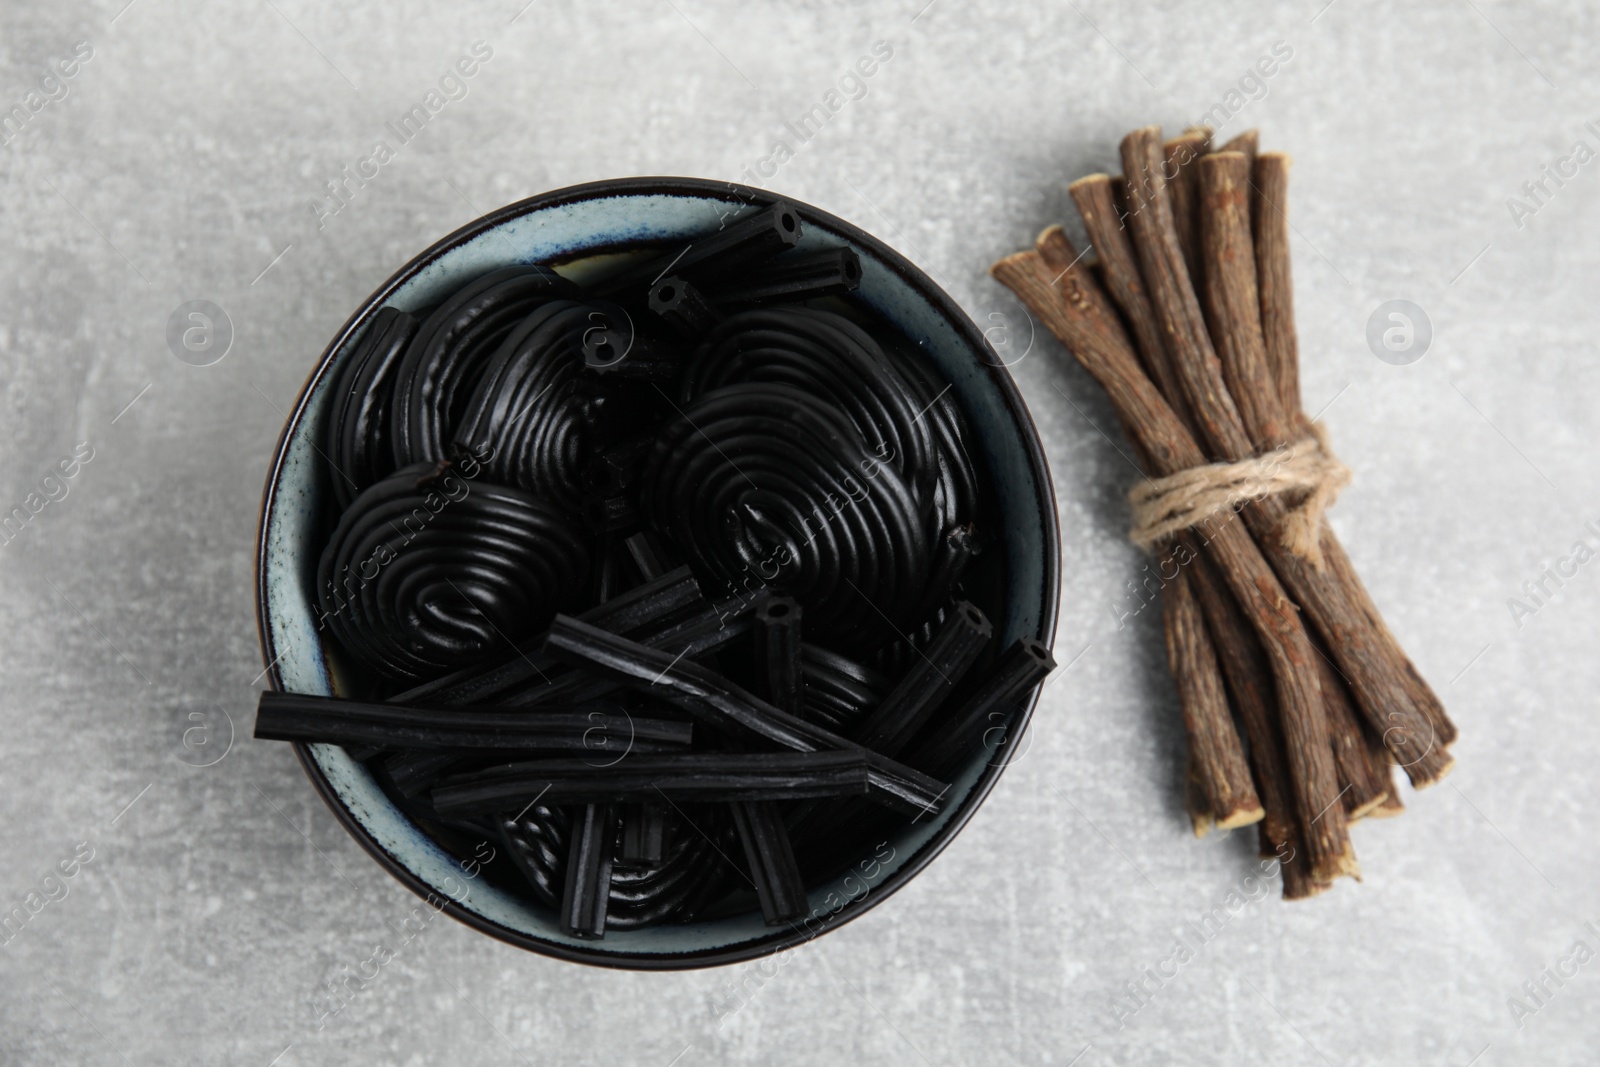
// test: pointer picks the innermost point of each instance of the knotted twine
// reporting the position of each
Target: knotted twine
(1165, 506)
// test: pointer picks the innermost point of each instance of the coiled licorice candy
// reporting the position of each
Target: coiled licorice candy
(842, 510)
(763, 484)
(434, 381)
(526, 413)
(356, 443)
(428, 570)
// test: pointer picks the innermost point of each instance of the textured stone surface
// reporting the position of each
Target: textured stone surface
(183, 164)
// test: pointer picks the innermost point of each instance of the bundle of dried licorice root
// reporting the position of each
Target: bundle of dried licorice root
(1185, 315)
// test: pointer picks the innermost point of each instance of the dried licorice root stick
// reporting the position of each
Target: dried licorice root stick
(1183, 180)
(1216, 758)
(1367, 655)
(1073, 308)
(1244, 665)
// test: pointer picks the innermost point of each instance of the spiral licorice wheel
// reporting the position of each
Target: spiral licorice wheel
(761, 485)
(452, 347)
(357, 440)
(427, 571)
(526, 414)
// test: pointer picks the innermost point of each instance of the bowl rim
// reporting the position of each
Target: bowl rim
(943, 304)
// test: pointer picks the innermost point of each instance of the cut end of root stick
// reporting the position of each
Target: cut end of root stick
(1242, 817)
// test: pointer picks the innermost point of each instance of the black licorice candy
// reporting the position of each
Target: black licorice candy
(779, 888)
(431, 386)
(679, 778)
(853, 495)
(639, 607)
(752, 239)
(331, 720)
(726, 707)
(794, 276)
(838, 691)
(683, 307)
(427, 570)
(775, 625)
(933, 675)
(586, 893)
(356, 442)
(1024, 665)
(644, 835)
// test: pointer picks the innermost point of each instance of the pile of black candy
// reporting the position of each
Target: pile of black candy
(657, 582)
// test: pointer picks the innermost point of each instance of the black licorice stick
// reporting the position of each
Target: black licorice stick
(752, 239)
(794, 277)
(679, 777)
(683, 307)
(719, 703)
(775, 624)
(588, 887)
(648, 554)
(773, 869)
(933, 674)
(644, 835)
(414, 771)
(1023, 666)
(689, 638)
(330, 720)
(626, 613)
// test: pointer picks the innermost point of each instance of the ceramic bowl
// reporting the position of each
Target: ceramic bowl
(581, 226)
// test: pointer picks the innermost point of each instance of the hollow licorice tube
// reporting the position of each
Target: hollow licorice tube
(684, 777)
(644, 835)
(752, 239)
(1023, 666)
(775, 624)
(770, 855)
(726, 707)
(683, 307)
(689, 638)
(794, 277)
(932, 676)
(612, 350)
(587, 892)
(331, 720)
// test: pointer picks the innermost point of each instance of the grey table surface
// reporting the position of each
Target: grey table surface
(185, 158)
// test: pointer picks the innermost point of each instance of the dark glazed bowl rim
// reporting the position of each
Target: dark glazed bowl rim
(738, 196)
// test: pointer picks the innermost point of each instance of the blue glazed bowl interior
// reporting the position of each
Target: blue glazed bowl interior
(576, 230)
